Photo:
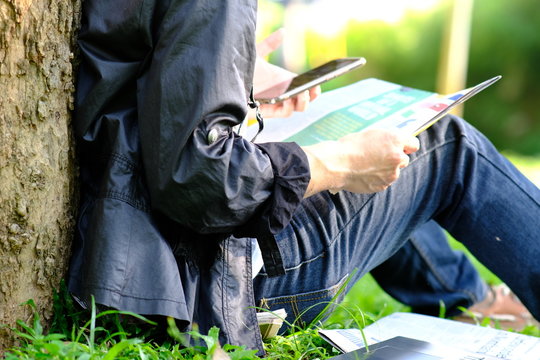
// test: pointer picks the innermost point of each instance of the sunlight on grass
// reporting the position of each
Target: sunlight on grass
(368, 297)
(528, 165)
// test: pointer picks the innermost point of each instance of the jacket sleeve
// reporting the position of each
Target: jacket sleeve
(192, 92)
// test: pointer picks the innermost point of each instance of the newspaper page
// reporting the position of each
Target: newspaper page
(367, 103)
(482, 340)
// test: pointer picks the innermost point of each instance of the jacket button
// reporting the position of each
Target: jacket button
(212, 136)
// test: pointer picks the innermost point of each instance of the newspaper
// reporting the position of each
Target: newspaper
(477, 339)
(270, 322)
(367, 103)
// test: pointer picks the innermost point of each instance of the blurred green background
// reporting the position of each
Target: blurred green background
(403, 41)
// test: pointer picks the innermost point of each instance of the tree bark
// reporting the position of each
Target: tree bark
(37, 166)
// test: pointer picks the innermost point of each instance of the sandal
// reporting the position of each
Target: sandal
(503, 309)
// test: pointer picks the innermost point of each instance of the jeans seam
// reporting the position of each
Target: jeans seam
(225, 297)
(446, 142)
(294, 307)
(440, 278)
(481, 155)
(251, 292)
(299, 265)
(320, 294)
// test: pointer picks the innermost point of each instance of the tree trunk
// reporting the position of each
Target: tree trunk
(37, 167)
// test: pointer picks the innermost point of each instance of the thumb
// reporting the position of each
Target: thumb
(270, 43)
(411, 144)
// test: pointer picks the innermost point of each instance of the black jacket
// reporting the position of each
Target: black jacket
(160, 197)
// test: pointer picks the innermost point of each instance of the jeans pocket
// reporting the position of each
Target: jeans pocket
(303, 308)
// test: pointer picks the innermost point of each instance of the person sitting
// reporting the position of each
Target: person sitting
(172, 197)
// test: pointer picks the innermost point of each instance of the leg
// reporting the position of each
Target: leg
(426, 271)
(458, 179)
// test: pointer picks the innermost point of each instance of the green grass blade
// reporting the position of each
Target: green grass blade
(121, 346)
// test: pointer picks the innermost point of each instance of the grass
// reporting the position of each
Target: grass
(92, 335)
(528, 165)
(103, 336)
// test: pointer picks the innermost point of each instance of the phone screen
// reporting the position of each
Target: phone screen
(313, 77)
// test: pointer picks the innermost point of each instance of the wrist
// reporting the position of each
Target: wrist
(327, 167)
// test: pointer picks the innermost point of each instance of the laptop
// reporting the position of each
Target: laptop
(403, 348)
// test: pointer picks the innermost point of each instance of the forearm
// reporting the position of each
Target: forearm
(325, 164)
(364, 162)
(231, 185)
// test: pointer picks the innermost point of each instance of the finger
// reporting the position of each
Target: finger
(301, 101)
(314, 92)
(411, 145)
(405, 160)
(279, 110)
(287, 108)
(270, 43)
(270, 111)
(388, 179)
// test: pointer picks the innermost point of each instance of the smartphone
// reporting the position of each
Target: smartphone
(309, 79)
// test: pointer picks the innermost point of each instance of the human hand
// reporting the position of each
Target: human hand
(375, 158)
(267, 75)
(365, 162)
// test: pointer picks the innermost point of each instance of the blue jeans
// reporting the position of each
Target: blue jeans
(457, 178)
(426, 271)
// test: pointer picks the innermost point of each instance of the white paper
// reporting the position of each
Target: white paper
(279, 129)
(483, 340)
(367, 103)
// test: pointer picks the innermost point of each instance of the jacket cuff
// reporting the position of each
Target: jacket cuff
(291, 178)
